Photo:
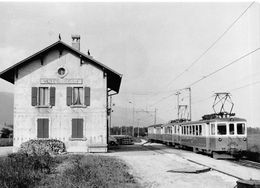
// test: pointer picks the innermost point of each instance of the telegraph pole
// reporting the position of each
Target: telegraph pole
(178, 105)
(155, 110)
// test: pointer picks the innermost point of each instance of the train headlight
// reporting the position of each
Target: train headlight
(220, 139)
(244, 139)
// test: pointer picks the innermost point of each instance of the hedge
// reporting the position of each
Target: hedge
(41, 147)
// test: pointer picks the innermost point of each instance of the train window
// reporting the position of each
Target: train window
(240, 128)
(212, 129)
(222, 129)
(190, 130)
(200, 130)
(193, 130)
(231, 129)
(185, 128)
(197, 129)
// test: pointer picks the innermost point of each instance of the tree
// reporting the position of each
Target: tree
(6, 133)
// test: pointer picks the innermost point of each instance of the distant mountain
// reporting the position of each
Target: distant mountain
(6, 108)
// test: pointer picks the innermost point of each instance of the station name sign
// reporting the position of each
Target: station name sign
(61, 81)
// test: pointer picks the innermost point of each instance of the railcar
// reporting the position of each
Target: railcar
(216, 135)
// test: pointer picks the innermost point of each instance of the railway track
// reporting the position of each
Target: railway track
(248, 163)
(245, 163)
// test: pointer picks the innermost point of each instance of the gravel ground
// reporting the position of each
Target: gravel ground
(161, 166)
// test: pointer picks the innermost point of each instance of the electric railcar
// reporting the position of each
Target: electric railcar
(217, 135)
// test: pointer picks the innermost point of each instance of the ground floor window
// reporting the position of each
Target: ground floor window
(42, 128)
(77, 128)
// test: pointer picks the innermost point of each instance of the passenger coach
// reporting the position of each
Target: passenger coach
(220, 135)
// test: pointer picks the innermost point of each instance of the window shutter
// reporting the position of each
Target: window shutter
(74, 128)
(69, 96)
(80, 128)
(34, 96)
(52, 96)
(39, 128)
(45, 128)
(87, 96)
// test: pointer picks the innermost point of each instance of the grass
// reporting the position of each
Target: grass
(91, 171)
(253, 147)
(21, 170)
(6, 142)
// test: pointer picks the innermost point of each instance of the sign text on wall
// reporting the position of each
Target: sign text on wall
(61, 81)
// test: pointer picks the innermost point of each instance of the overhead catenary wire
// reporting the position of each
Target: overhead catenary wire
(211, 46)
(227, 65)
(210, 74)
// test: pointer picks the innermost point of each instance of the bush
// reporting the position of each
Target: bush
(23, 170)
(41, 147)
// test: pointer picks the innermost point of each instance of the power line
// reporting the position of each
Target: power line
(227, 65)
(212, 73)
(211, 46)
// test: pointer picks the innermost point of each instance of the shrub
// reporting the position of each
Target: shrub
(23, 170)
(41, 147)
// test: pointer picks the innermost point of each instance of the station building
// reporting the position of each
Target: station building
(62, 93)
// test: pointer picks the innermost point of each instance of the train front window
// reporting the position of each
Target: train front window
(222, 129)
(231, 129)
(240, 128)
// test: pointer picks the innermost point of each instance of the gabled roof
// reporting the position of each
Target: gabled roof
(113, 78)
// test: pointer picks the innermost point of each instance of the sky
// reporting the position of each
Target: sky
(150, 44)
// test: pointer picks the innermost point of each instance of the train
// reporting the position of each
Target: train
(214, 134)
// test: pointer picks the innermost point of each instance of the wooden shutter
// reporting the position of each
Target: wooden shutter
(77, 128)
(80, 128)
(87, 96)
(45, 128)
(52, 96)
(34, 96)
(74, 128)
(69, 96)
(40, 128)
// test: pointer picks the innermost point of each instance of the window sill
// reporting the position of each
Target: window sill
(78, 106)
(77, 139)
(43, 106)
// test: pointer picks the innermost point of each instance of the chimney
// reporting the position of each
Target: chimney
(76, 42)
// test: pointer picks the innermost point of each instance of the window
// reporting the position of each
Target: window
(240, 128)
(43, 96)
(212, 129)
(200, 130)
(78, 96)
(193, 130)
(231, 129)
(42, 128)
(190, 130)
(77, 128)
(222, 129)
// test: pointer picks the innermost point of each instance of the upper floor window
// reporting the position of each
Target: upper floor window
(78, 96)
(43, 96)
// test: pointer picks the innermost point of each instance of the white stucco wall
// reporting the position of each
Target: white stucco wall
(60, 116)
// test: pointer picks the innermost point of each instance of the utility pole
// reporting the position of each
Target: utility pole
(190, 100)
(155, 110)
(133, 116)
(178, 105)
(110, 116)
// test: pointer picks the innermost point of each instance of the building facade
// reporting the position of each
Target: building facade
(61, 93)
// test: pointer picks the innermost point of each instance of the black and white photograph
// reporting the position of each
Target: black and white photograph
(129, 94)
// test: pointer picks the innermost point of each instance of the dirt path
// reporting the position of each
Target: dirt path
(154, 168)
